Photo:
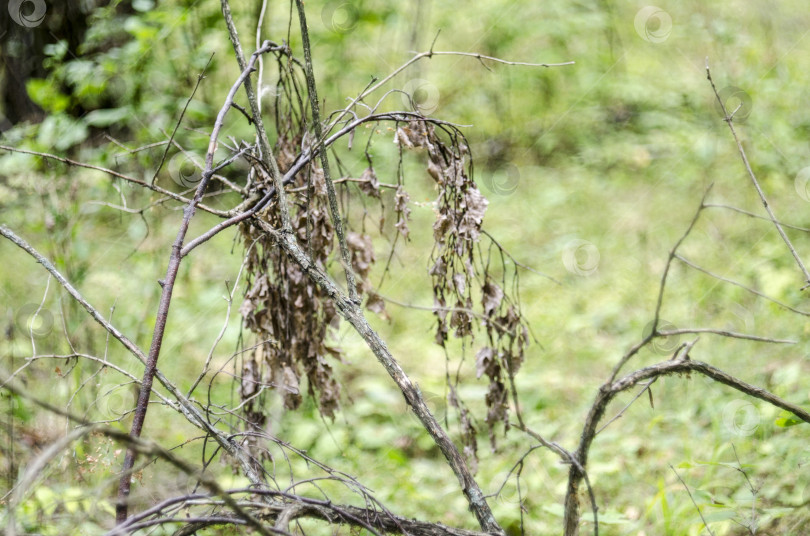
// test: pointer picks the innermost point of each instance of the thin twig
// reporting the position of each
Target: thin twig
(740, 285)
(729, 121)
(661, 288)
(418, 57)
(497, 60)
(693, 500)
(757, 216)
(117, 175)
(337, 221)
(200, 78)
(723, 333)
(517, 262)
(645, 388)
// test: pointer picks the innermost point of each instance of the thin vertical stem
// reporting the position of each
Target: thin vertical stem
(330, 187)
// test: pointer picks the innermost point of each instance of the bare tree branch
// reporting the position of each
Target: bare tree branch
(729, 118)
(168, 285)
(353, 314)
(184, 405)
(118, 175)
(680, 365)
(330, 187)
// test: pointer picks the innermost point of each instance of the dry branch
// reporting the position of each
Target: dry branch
(352, 314)
(729, 118)
(185, 406)
(162, 315)
(682, 364)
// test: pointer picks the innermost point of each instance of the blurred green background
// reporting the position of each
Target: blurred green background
(615, 150)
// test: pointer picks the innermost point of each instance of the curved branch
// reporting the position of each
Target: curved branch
(682, 364)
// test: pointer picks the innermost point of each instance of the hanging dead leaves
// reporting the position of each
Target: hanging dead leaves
(282, 304)
(459, 274)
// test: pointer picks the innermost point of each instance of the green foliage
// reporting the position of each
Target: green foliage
(50, 511)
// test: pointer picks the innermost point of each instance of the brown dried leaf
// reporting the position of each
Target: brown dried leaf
(461, 320)
(460, 283)
(376, 304)
(369, 184)
(498, 405)
(476, 205)
(435, 171)
(290, 388)
(483, 361)
(441, 227)
(402, 137)
(403, 211)
(491, 299)
(362, 250)
(439, 269)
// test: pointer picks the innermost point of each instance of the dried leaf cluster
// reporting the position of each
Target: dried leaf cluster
(459, 274)
(293, 320)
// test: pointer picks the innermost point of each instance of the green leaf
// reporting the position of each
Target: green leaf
(72, 498)
(555, 509)
(786, 421)
(56, 51)
(143, 5)
(46, 498)
(140, 31)
(45, 94)
(719, 515)
(61, 132)
(608, 517)
(107, 117)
